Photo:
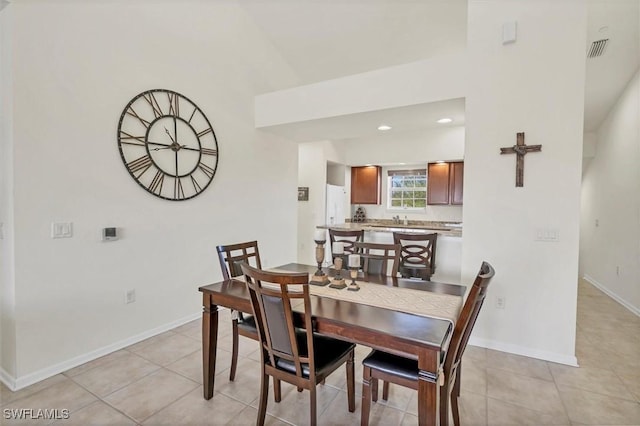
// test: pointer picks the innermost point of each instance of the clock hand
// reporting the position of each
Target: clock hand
(160, 144)
(166, 130)
(175, 128)
(175, 147)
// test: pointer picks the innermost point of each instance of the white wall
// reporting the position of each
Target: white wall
(416, 147)
(536, 86)
(7, 289)
(76, 65)
(610, 250)
(336, 174)
(312, 173)
(425, 81)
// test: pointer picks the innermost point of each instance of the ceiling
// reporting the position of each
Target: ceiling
(325, 39)
(353, 126)
(607, 75)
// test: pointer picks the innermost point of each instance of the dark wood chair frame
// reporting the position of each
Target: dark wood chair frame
(374, 254)
(349, 238)
(417, 260)
(451, 366)
(230, 257)
(275, 347)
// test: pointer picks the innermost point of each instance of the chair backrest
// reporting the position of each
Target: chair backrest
(376, 258)
(417, 249)
(233, 255)
(348, 238)
(271, 298)
(467, 318)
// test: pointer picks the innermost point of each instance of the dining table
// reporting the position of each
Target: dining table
(419, 337)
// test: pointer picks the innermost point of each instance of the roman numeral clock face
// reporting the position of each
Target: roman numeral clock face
(167, 144)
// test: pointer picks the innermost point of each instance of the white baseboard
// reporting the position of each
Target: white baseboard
(611, 294)
(524, 351)
(8, 380)
(37, 376)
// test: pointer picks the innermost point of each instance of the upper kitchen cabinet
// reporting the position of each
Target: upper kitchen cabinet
(366, 185)
(456, 175)
(444, 183)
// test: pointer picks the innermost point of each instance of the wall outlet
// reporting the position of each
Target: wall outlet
(501, 301)
(130, 296)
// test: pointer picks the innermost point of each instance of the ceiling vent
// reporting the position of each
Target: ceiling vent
(597, 48)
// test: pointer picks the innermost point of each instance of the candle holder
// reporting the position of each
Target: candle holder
(338, 281)
(319, 277)
(353, 270)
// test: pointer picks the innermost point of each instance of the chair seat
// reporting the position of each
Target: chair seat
(393, 364)
(326, 352)
(248, 323)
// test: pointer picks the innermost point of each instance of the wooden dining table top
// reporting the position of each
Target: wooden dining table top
(408, 331)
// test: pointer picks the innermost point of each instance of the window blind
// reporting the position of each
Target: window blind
(415, 172)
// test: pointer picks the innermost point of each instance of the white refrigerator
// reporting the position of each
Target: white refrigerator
(336, 209)
(336, 213)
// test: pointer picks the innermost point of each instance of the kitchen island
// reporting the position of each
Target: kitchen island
(448, 247)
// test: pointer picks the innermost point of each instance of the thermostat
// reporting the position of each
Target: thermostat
(109, 234)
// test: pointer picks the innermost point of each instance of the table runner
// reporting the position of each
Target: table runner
(418, 302)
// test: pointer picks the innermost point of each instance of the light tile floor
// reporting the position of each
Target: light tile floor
(159, 382)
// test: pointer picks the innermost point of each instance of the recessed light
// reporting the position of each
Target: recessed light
(384, 127)
(445, 120)
(440, 161)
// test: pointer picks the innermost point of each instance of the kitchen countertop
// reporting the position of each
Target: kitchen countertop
(450, 229)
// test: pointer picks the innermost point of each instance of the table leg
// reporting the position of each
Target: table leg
(428, 391)
(209, 344)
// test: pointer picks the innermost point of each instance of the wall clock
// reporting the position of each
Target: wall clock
(167, 144)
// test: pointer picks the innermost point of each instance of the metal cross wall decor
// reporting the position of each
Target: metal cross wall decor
(520, 149)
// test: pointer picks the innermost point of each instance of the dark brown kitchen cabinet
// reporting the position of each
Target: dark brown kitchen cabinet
(456, 175)
(438, 183)
(366, 185)
(444, 183)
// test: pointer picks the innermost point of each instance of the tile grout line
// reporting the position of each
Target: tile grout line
(564, 405)
(99, 399)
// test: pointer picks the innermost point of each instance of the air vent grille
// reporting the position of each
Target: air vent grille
(597, 48)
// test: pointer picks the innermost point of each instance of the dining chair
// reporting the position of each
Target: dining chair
(297, 356)
(242, 323)
(375, 258)
(418, 257)
(348, 238)
(390, 368)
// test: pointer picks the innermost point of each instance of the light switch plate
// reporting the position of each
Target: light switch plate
(61, 229)
(551, 235)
